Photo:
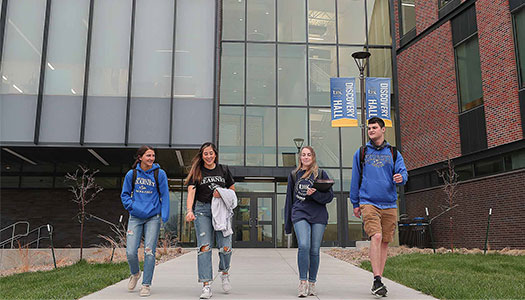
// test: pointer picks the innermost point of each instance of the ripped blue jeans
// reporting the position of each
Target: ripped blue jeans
(150, 227)
(205, 233)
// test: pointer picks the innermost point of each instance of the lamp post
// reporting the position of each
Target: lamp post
(298, 143)
(361, 59)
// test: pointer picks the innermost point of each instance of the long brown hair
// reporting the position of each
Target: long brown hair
(139, 154)
(197, 161)
(314, 168)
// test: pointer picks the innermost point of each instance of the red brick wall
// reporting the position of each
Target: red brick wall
(499, 72)
(503, 193)
(426, 14)
(427, 100)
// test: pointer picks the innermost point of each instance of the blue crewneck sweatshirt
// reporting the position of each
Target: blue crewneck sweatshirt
(299, 206)
(145, 202)
(377, 187)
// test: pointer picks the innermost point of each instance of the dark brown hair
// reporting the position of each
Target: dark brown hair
(197, 161)
(139, 154)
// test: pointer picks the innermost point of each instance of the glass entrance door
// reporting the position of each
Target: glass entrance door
(253, 221)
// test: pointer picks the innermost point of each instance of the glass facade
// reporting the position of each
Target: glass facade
(277, 60)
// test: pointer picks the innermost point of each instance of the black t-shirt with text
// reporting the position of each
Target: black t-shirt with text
(220, 176)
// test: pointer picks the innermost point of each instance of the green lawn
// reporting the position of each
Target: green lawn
(70, 282)
(459, 276)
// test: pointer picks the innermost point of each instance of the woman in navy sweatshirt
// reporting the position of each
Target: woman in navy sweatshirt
(145, 194)
(305, 208)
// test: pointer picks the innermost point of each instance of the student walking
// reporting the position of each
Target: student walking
(377, 169)
(305, 209)
(145, 194)
(205, 179)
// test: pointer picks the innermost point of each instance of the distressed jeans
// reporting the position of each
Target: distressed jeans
(309, 237)
(150, 227)
(205, 233)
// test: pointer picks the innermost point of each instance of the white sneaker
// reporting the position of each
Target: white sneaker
(226, 286)
(302, 290)
(145, 291)
(206, 292)
(311, 289)
(133, 279)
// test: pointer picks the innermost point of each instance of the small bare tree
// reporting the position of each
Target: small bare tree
(450, 188)
(84, 189)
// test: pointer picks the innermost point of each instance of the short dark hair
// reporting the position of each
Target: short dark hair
(377, 120)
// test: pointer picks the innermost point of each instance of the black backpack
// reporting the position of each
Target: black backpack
(155, 174)
(362, 152)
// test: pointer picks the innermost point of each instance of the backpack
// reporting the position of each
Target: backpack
(362, 152)
(155, 174)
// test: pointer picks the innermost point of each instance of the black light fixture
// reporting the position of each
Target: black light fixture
(298, 143)
(361, 59)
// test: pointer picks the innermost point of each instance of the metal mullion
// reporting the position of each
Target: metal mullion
(3, 18)
(42, 73)
(130, 69)
(307, 77)
(173, 48)
(276, 93)
(245, 73)
(86, 72)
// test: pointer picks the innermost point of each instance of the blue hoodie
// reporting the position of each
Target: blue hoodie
(377, 187)
(145, 201)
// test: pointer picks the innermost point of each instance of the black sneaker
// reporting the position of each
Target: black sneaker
(379, 289)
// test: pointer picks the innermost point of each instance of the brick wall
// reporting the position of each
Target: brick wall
(426, 14)
(45, 206)
(502, 193)
(499, 72)
(427, 100)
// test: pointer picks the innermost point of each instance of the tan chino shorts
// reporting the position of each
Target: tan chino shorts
(379, 221)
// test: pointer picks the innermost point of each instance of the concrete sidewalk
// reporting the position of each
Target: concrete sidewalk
(259, 274)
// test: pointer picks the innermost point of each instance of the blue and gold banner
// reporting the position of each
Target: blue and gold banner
(378, 99)
(342, 97)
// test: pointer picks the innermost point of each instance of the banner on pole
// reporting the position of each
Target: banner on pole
(342, 98)
(378, 99)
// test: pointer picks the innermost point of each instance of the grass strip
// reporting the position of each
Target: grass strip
(459, 276)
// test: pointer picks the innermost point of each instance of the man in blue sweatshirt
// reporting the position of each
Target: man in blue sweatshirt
(373, 195)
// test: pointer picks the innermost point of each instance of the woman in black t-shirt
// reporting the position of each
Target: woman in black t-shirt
(206, 174)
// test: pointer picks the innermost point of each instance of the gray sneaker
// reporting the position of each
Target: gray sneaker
(206, 292)
(145, 291)
(311, 289)
(302, 290)
(133, 279)
(226, 286)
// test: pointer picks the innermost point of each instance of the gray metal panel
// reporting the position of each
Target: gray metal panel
(105, 120)
(60, 120)
(192, 121)
(17, 118)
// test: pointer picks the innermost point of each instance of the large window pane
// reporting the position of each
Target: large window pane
(195, 49)
(233, 19)
(469, 74)
(408, 16)
(347, 65)
(292, 74)
(232, 74)
(292, 124)
(379, 23)
(291, 26)
(380, 62)
(260, 136)
(351, 18)
(336, 176)
(324, 137)
(281, 240)
(323, 65)
(330, 233)
(64, 81)
(350, 142)
(151, 79)
(21, 69)
(321, 21)
(519, 27)
(261, 20)
(260, 85)
(231, 135)
(108, 72)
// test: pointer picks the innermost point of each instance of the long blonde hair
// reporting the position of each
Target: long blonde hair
(314, 168)
(197, 161)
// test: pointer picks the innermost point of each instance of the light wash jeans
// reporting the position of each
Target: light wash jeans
(205, 232)
(309, 237)
(150, 227)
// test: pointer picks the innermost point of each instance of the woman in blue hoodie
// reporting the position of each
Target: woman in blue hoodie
(145, 194)
(305, 208)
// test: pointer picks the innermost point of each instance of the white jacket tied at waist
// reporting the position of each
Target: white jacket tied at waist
(222, 211)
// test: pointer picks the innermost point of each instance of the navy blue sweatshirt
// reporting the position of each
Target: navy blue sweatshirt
(300, 206)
